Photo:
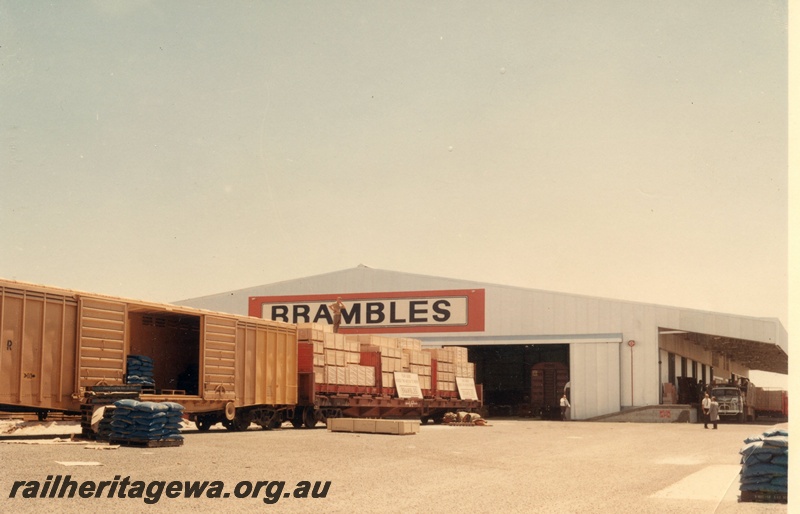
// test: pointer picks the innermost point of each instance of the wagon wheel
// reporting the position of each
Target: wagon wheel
(203, 423)
(230, 411)
(297, 419)
(271, 423)
(309, 417)
(237, 424)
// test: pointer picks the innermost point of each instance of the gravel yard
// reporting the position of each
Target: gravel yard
(511, 465)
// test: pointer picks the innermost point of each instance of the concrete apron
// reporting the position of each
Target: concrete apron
(652, 414)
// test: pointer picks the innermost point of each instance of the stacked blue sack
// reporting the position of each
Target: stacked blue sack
(146, 421)
(765, 463)
(104, 428)
(140, 371)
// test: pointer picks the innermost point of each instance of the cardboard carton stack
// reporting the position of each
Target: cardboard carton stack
(415, 360)
(452, 363)
(408, 343)
(337, 357)
(391, 355)
(314, 333)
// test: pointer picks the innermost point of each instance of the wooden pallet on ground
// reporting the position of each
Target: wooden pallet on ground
(147, 443)
(763, 497)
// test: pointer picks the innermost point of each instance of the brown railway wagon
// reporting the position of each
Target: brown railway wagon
(548, 381)
(60, 347)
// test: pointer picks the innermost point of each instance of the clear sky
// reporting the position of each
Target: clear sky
(165, 150)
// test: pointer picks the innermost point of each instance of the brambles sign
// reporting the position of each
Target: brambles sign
(459, 310)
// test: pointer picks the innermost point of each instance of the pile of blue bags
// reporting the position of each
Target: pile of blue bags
(765, 463)
(104, 427)
(140, 371)
(146, 421)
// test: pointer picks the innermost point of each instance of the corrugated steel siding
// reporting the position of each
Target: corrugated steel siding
(267, 364)
(37, 360)
(594, 379)
(219, 358)
(102, 342)
(528, 316)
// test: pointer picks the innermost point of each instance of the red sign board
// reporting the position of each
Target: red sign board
(459, 310)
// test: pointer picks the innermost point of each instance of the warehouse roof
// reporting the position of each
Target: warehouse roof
(758, 343)
(755, 354)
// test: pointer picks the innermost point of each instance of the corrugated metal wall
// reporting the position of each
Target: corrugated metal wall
(597, 329)
(594, 379)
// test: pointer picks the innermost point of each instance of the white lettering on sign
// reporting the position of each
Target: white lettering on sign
(375, 312)
(466, 388)
(407, 385)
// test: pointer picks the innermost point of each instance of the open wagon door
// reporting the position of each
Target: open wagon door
(101, 342)
(219, 358)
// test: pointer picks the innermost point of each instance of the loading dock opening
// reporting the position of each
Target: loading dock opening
(505, 372)
(173, 342)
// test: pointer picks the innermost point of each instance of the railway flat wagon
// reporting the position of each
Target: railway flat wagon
(350, 375)
(63, 350)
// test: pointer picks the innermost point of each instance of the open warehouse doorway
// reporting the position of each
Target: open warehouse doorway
(521, 379)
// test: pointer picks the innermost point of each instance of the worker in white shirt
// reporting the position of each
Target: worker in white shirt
(706, 406)
(564, 406)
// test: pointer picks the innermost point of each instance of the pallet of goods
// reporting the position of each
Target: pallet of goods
(765, 467)
(452, 362)
(370, 361)
(336, 357)
(146, 424)
(374, 426)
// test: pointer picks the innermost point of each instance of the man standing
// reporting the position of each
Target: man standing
(706, 405)
(336, 307)
(564, 406)
(713, 411)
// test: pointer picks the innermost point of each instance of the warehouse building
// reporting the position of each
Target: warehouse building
(618, 354)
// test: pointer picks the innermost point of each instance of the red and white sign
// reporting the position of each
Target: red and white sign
(461, 310)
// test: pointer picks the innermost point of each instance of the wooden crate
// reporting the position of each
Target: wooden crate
(374, 426)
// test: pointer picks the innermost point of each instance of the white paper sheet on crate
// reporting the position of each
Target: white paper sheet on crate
(466, 388)
(407, 385)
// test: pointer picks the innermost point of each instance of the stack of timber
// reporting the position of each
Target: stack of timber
(374, 426)
(336, 357)
(390, 356)
(416, 360)
(367, 363)
(452, 363)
